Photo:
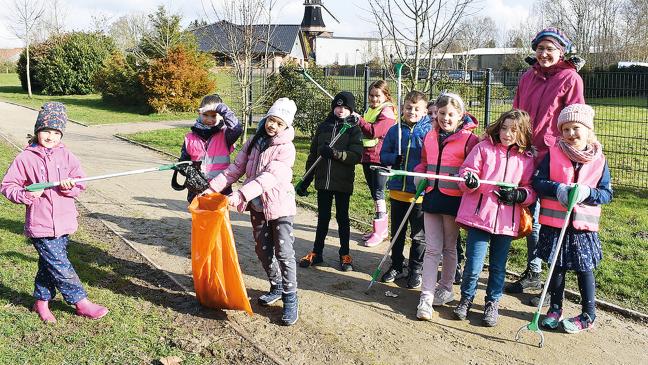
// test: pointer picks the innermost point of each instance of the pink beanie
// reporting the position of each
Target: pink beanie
(579, 113)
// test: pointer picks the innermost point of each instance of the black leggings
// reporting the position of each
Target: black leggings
(375, 181)
(324, 205)
(586, 285)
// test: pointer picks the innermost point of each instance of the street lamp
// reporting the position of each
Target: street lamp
(355, 62)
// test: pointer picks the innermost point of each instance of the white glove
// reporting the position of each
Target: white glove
(417, 180)
(583, 193)
(562, 193)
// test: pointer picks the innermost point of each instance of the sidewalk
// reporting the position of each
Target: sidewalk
(338, 322)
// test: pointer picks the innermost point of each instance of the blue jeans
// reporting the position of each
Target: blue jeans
(534, 263)
(476, 245)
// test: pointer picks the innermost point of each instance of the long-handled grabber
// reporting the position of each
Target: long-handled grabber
(533, 325)
(386, 171)
(419, 190)
(45, 185)
(399, 78)
(344, 128)
(306, 75)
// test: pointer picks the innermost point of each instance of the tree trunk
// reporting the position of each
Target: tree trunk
(29, 91)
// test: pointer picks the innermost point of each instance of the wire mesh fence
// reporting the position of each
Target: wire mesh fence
(620, 100)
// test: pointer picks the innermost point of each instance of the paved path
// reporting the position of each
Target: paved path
(338, 321)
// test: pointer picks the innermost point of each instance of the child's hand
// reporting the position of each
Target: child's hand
(562, 193)
(35, 194)
(471, 181)
(207, 192)
(583, 193)
(326, 152)
(67, 184)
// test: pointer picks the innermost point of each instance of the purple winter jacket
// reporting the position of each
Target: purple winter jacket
(479, 207)
(54, 213)
(268, 175)
(544, 93)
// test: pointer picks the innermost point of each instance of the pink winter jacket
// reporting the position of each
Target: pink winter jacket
(54, 213)
(268, 174)
(544, 93)
(479, 207)
(378, 129)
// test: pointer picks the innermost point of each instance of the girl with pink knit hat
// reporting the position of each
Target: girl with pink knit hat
(576, 158)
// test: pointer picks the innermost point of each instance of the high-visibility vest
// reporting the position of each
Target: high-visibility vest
(561, 169)
(213, 153)
(371, 116)
(447, 160)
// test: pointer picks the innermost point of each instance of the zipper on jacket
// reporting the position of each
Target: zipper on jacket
(328, 172)
(409, 143)
(479, 203)
(508, 152)
(438, 166)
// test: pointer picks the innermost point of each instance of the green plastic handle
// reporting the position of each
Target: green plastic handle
(398, 68)
(167, 167)
(573, 195)
(420, 187)
(41, 186)
(507, 185)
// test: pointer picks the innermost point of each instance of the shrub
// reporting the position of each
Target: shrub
(178, 81)
(312, 104)
(66, 64)
(117, 81)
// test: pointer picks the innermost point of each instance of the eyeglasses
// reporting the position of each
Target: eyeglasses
(546, 49)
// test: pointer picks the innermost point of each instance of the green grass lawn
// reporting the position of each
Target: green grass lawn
(140, 328)
(622, 277)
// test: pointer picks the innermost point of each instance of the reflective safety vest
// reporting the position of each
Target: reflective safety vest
(447, 160)
(561, 169)
(213, 153)
(371, 116)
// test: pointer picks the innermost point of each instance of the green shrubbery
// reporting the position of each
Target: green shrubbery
(65, 64)
(118, 82)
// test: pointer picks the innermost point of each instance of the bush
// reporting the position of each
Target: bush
(8, 67)
(117, 81)
(178, 81)
(66, 64)
(312, 104)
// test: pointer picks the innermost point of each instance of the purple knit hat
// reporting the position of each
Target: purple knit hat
(51, 116)
(555, 36)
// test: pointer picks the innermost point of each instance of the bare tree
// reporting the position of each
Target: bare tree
(25, 17)
(128, 31)
(246, 42)
(415, 30)
(474, 32)
(634, 30)
(54, 19)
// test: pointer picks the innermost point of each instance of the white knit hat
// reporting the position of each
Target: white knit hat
(285, 109)
(579, 113)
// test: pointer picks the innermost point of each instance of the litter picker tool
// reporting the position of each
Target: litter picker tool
(399, 78)
(386, 171)
(533, 325)
(419, 190)
(46, 185)
(306, 75)
(344, 128)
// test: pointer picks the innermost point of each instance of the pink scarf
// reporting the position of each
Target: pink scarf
(591, 151)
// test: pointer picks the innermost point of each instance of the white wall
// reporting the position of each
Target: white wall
(343, 50)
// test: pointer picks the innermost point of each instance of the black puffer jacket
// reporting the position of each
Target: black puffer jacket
(338, 173)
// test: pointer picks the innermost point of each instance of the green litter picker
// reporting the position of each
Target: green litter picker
(533, 325)
(386, 171)
(46, 185)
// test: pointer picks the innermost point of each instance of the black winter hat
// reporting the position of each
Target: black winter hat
(345, 99)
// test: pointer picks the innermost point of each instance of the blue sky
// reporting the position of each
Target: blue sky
(353, 14)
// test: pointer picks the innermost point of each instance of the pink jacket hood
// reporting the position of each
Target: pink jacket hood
(268, 175)
(480, 207)
(54, 213)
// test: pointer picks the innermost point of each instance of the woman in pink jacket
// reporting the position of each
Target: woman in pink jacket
(267, 160)
(51, 214)
(490, 213)
(544, 90)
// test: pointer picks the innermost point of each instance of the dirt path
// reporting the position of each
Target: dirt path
(338, 322)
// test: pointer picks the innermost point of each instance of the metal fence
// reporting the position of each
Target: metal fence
(620, 100)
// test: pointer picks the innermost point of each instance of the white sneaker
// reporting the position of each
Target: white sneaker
(424, 310)
(442, 296)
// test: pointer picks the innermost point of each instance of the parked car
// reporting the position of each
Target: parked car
(459, 75)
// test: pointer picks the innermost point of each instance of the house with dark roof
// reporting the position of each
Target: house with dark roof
(280, 42)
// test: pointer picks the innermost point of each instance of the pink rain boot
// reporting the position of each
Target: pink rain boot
(41, 307)
(86, 308)
(369, 234)
(380, 232)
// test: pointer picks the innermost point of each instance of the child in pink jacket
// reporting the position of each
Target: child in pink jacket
(267, 160)
(51, 214)
(490, 213)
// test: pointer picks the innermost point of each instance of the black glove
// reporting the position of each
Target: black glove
(471, 180)
(326, 152)
(195, 181)
(510, 196)
(301, 188)
(398, 161)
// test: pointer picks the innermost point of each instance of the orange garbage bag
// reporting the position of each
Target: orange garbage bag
(218, 281)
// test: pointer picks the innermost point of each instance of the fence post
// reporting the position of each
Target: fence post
(384, 74)
(366, 86)
(327, 71)
(487, 98)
